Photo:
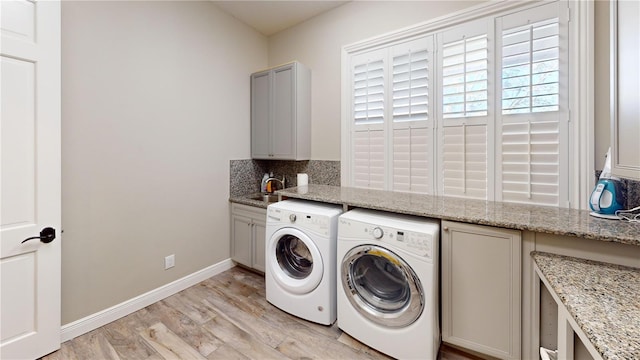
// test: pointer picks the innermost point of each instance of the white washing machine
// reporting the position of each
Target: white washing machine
(300, 272)
(388, 282)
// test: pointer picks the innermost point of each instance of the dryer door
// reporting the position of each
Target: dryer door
(381, 286)
(294, 260)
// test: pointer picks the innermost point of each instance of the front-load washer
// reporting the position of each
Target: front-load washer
(300, 255)
(388, 282)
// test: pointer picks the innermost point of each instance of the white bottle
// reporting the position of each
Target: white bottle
(263, 184)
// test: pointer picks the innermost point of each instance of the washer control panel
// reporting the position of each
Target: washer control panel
(312, 222)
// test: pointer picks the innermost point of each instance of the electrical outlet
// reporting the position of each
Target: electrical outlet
(169, 261)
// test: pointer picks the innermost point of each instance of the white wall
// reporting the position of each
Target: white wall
(317, 43)
(155, 104)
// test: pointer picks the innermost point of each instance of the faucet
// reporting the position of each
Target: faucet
(266, 181)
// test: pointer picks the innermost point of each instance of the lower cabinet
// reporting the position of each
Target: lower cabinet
(248, 225)
(481, 287)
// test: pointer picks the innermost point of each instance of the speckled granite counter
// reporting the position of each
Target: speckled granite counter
(544, 219)
(603, 299)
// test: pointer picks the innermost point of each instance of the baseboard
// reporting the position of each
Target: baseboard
(101, 318)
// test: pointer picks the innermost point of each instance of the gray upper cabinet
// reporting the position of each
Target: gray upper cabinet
(281, 113)
(625, 107)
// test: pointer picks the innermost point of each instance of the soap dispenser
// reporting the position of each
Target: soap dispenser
(263, 184)
(270, 184)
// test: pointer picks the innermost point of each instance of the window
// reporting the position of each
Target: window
(476, 110)
(464, 124)
(368, 142)
(530, 64)
(464, 77)
(391, 133)
(532, 124)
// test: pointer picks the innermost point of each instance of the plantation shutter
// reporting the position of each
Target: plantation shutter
(367, 140)
(533, 121)
(412, 129)
(464, 122)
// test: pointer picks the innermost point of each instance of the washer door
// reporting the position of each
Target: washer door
(381, 286)
(294, 261)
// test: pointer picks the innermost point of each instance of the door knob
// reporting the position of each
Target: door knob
(46, 235)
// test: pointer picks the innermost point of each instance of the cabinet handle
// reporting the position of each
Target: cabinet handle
(446, 228)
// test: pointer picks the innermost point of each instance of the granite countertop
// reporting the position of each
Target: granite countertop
(603, 299)
(543, 219)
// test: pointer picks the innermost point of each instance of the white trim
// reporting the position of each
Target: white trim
(581, 102)
(345, 130)
(101, 318)
(442, 22)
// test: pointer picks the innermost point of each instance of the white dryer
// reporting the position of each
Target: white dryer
(388, 282)
(300, 255)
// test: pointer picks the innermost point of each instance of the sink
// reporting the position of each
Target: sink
(265, 197)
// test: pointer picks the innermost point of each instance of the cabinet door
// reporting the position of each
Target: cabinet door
(241, 240)
(283, 122)
(260, 115)
(481, 289)
(625, 109)
(259, 240)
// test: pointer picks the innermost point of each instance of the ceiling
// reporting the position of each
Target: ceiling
(269, 17)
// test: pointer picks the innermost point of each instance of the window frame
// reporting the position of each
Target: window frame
(581, 78)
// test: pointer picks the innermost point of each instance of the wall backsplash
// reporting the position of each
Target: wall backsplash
(631, 188)
(245, 175)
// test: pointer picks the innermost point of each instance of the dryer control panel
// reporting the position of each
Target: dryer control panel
(415, 235)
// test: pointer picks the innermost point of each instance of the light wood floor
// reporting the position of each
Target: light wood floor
(224, 317)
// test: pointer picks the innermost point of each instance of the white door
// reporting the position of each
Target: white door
(29, 178)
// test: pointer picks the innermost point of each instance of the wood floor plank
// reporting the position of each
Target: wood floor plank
(291, 324)
(168, 344)
(224, 317)
(94, 346)
(236, 296)
(297, 348)
(65, 352)
(181, 325)
(255, 327)
(241, 340)
(122, 334)
(227, 352)
(191, 304)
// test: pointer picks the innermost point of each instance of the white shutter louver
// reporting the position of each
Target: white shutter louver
(411, 86)
(465, 120)
(533, 123)
(411, 160)
(530, 162)
(368, 139)
(368, 159)
(465, 161)
(530, 68)
(412, 135)
(464, 77)
(368, 93)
